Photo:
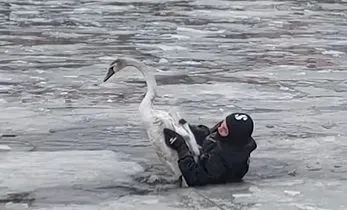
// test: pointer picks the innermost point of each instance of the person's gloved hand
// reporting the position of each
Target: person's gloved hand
(173, 139)
(176, 142)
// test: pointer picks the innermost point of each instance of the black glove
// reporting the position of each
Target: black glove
(176, 142)
(173, 139)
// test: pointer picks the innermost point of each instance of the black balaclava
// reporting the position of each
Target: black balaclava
(240, 126)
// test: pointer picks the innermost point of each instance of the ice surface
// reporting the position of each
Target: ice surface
(4, 148)
(27, 171)
(77, 143)
(125, 203)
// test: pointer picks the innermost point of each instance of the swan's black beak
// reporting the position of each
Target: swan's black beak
(109, 74)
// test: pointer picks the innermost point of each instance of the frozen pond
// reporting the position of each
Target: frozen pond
(77, 143)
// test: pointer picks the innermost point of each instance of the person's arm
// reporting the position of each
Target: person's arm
(200, 132)
(209, 169)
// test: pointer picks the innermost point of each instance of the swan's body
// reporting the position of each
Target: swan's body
(155, 121)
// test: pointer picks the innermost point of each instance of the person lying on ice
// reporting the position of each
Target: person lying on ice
(225, 151)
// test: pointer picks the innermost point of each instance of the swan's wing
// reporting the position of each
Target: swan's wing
(170, 120)
(162, 119)
(174, 113)
(155, 133)
(185, 131)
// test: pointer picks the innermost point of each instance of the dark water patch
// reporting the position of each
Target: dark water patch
(23, 197)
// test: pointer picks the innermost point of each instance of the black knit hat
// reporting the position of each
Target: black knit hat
(240, 127)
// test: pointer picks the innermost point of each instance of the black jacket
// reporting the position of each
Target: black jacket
(219, 162)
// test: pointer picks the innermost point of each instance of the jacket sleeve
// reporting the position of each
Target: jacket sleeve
(208, 170)
(200, 132)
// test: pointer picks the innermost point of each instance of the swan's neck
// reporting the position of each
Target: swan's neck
(151, 84)
(147, 102)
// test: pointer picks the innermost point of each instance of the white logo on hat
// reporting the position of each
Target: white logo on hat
(241, 117)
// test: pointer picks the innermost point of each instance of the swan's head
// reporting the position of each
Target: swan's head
(116, 66)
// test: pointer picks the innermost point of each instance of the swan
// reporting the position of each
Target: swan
(155, 120)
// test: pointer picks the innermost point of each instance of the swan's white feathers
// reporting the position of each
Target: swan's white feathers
(155, 120)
